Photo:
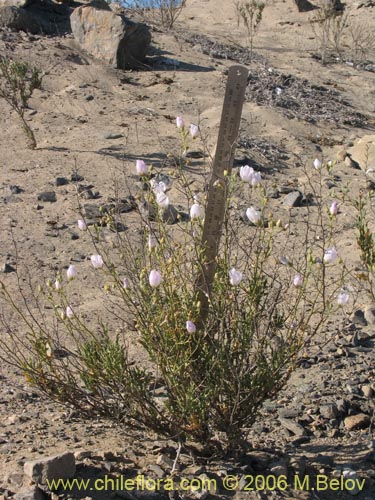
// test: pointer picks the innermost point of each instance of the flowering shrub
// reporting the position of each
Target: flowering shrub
(205, 376)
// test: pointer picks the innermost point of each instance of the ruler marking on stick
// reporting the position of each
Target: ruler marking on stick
(217, 191)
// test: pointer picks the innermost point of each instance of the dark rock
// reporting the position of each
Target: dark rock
(15, 3)
(56, 467)
(163, 178)
(358, 318)
(293, 199)
(18, 19)
(352, 163)
(15, 189)
(194, 154)
(113, 136)
(288, 412)
(34, 493)
(49, 196)
(329, 411)
(61, 181)
(369, 314)
(304, 5)
(89, 97)
(292, 426)
(6, 268)
(76, 178)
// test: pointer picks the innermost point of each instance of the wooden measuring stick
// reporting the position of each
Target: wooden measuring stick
(217, 191)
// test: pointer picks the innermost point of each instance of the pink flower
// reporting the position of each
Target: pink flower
(317, 164)
(253, 215)
(162, 200)
(298, 280)
(152, 242)
(196, 211)
(194, 131)
(141, 167)
(69, 312)
(180, 122)
(97, 261)
(126, 283)
(334, 208)
(71, 272)
(342, 298)
(235, 277)
(190, 327)
(81, 225)
(249, 175)
(330, 255)
(155, 278)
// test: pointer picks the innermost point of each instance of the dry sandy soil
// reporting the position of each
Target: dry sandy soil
(81, 102)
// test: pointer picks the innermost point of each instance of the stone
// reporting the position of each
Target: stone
(359, 421)
(292, 426)
(49, 196)
(31, 494)
(304, 5)
(358, 318)
(77, 178)
(6, 268)
(369, 314)
(363, 152)
(156, 470)
(61, 181)
(18, 19)
(82, 454)
(164, 461)
(110, 37)
(15, 3)
(367, 391)
(170, 215)
(15, 478)
(55, 467)
(15, 189)
(329, 411)
(113, 136)
(293, 199)
(352, 163)
(279, 469)
(341, 155)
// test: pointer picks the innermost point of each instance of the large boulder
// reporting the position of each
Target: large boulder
(110, 37)
(15, 3)
(35, 16)
(18, 19)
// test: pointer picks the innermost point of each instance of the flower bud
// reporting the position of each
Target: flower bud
(330, 255)
(180, 122)
(71, 272)
(190, 327)
(82, 226)
(253, 215)
(194, 131)
(342, 298)
(297, 280)
(317, 164)
(97, 261)
(196, 211)
(155, 278)
(141, 167)
(235, 277)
